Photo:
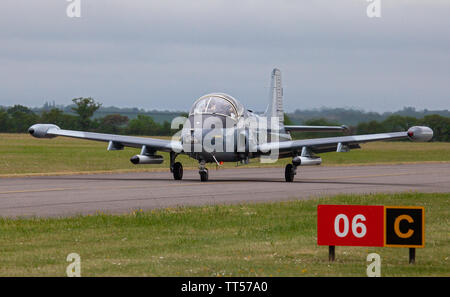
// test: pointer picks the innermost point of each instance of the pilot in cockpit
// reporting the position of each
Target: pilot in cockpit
(212, 107)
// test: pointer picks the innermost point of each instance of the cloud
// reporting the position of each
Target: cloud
(164, 54)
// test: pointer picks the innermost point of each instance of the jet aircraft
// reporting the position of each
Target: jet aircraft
(219, 129)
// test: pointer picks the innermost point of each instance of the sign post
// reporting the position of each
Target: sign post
(412, 255)
(331, 253)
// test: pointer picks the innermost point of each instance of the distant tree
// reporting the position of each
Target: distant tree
(165, 129)
(19, 108)
(395, 123)
(142, 125)
(4, 121)
(287, 120)
(21, 118)
(85, 108)
(53, 116)
(58, 117)
(369, 128)
(440, 126)
(354, 116)
(112, 123)
(321, 122)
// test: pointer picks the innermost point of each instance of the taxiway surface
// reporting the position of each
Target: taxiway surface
(119, 193)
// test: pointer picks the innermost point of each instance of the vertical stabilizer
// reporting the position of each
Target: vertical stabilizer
(275, 107)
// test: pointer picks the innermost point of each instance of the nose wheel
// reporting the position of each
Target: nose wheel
(204, 175)
(203, 171)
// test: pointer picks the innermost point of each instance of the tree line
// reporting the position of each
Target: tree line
(393, 123)
(352, 117)
(18, 118)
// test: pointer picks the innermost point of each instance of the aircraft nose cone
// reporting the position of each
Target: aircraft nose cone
(31, 131)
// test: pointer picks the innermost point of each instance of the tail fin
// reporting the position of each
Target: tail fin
(275, 107)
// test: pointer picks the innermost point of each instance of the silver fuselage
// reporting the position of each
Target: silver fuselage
(216, 137)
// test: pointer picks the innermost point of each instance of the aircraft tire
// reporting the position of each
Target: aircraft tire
(204, 175)
(177, 171)
(289, 173)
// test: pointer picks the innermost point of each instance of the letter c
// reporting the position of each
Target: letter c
(397, 226)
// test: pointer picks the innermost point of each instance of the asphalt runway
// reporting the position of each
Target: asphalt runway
(68, 195)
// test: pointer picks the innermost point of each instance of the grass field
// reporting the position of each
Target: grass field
(23, 154)
(272, 239)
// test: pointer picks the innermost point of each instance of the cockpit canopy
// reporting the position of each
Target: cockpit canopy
(220, 104)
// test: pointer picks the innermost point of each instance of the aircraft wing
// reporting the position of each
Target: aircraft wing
(344, 143)
(316, 128)
(116, 142)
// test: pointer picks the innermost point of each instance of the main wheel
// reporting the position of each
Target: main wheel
(289, 173)
(177, 171)
(204, 175)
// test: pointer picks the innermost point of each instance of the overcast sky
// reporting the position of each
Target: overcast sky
(164, 54)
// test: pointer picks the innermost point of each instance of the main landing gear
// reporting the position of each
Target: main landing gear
(177, 171)
(175, 167)
(290, 171)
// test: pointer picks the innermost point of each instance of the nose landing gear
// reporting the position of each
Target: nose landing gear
(203, 171)
(204, 175)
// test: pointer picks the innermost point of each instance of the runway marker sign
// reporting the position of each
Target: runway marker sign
(371, 225)
(404, 226)
(350, 225)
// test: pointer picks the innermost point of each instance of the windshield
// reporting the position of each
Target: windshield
(213, 105)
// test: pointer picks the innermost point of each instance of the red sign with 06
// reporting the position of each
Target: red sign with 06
(350, 225)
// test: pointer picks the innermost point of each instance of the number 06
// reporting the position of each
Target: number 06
(355, 225)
